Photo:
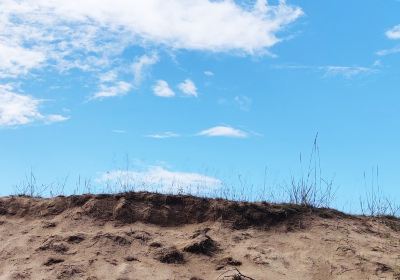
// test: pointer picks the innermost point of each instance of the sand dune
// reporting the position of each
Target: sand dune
(153, 236)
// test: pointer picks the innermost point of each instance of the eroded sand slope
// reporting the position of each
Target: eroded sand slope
(152, 236)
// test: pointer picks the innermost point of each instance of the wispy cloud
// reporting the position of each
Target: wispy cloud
(108, 77)
(244, 102)
(209, 73)
(216, 131)
(162, 89)
(163, 135)
(49, 119)
(16, 60)
(91, 36)
(158, 178)
(19, 109)
(220, 26)
(347, 72)
(188, 88)
(223, 131)
(141, 65)
(393, 33)
(112, 88)
(386, 52)
(85, 35)
(119, 131)
(111, 85)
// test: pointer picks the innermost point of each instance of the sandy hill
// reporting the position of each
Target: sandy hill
(154, 236)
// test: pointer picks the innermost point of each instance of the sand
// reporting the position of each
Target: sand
(153, 236)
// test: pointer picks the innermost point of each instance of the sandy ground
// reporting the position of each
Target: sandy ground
(68, 242)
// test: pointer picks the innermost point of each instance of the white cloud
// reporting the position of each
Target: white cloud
(163, 135)
(188, 88)
(85, 34)
(110, 76)
(112, 89)
(141, 65)
(162, 89)
(377, 63)
(33, 36)
(209, 73)
(244, 102)
(333, 70)
(157, 178)
(119, 131)
(389, 51)
(18, 109)
(347, 71)
(92, 35)
(16, 60)
(54, 118)
(224, 131)
(393, 33)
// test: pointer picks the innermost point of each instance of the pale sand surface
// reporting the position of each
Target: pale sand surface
(60, 239)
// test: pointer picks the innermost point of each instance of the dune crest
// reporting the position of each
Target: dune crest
(155, 236)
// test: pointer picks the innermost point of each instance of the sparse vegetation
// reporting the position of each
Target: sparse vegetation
(234, 274)
(374, 202)
(310, 189)
(30, 187)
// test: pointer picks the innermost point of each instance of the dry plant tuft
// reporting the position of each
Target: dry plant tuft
(375, 203)
(30, 187)
(311, 189)
(234, 274)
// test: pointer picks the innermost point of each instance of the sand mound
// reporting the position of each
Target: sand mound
(153, 236)
(157, 209)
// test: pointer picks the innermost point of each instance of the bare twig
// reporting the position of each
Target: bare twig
(235, 274)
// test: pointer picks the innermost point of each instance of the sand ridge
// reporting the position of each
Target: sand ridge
(154, 236)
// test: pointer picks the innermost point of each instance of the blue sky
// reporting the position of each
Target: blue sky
(199, 92)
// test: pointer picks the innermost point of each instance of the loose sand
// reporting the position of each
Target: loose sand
(152, 236)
